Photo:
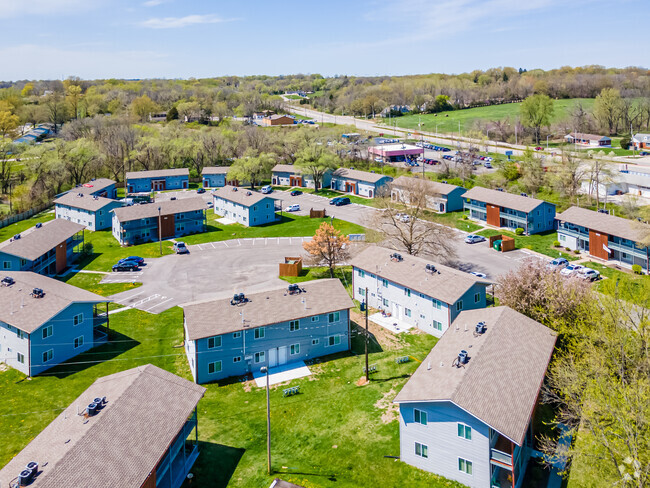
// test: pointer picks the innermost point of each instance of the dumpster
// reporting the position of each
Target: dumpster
(497, 245)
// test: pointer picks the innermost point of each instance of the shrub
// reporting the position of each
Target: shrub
(519, 231)
(88, 249)
(556, 243)
(465, 217)
(637, 268)
(576, 251)
(568, 248)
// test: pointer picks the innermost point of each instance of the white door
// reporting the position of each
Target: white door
(282, 355)
(273, 357)
(397, 311)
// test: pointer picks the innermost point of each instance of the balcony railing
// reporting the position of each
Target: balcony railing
(500, 457)
(99, 336)
(100, 319)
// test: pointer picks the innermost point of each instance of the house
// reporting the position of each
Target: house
(216, 177)
(394, 110)
(136, 428)
(591, 140)
(100, 187)
(140, 223)
(359, 182)
(641, 141)
(395, 153)
(603, 236)
(441, 197)
(290, 175)
(44, 322)
(158, 180)
(414, 290)
(234, 337)
(245, 207)
(158, 117)
(467, 411)
(277, 120)
(92, 211)
(502, 209)
(46, 249)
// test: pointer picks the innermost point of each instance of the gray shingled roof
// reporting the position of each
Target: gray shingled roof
(600, 222)
(433, 187)
(159, 173)
(27, 313)
(216, 317)
(501, 382)
(85, 201)
(94, 186)
(120, 445)
(167, 207)
(215, 170)
(286, 168)
(34, 242)
(355, 174)
(241, 196)
(588, 137)
(447, 284)
(503, 199)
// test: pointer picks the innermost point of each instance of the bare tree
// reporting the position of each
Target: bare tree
(600, 172)
(570, 175)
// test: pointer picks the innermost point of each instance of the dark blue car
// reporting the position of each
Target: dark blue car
(136, 259)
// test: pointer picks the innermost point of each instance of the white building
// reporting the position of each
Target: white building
(92, 211)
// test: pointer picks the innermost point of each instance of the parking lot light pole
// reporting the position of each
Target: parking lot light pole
(160, 230)
(265, 370)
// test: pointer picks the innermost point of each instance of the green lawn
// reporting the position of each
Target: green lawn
(293, 97)
(23, 225)
(91, 282)
(453, 219)
(541, 243)
(628, 286)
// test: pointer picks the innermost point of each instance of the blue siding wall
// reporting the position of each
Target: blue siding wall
(455, 200)
(146, 230)
(145, 184)
(214, 181)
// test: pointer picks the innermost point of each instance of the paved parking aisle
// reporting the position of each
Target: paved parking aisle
(122, 277)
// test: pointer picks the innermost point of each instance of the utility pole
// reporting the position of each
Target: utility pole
(264, 369)
(160, 230)
(367, 336)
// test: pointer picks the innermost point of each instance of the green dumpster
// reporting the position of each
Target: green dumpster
(497, 245)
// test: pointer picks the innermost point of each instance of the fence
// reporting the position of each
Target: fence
(24, 215)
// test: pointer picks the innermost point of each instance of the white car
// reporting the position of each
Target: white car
(403, 218)
(292, 208)
(479, 275)
(589, 274)
(571, 269)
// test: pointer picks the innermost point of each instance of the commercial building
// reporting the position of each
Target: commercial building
(359, 182)
(591, 140)
(467, 411)
(395, 153)
(414, 290)
(603, 236)
(158, 180)
(136, 428)
(278, 120)
(175, 218)
(246, 207)
(46, 249)
(290, 175)
(92, 211)
(233, 337)
(440, 197)
(44, 322)
(502, 209)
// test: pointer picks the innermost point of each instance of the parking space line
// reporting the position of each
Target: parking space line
(129, 297)
(212, 244)
(158, 304)
(225, 244)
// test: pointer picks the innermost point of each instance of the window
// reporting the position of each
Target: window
(334, 317)
(6, 265)
(384, 283)
(20, 357)
(294, 325)
(314, 342)
(407, 292)
(315, 318)
(421, 450)
(422, 316)
(437, 325)
(259, 333)
(23, 262)
(214, 367)
(236, 335)
(465, 431)
(20, 334)
(361, 273)
(362, 292)
(464, 466)
(77, 319)
(334, 340)
(437, 304)
(214, 342)
(294, 349)
(386, 302)
(255, 208)
(236, 359)
(260, 356)
(78, 342)
(47, 331)
(47, 355)
(459, 305)
(419, 416)
(477, 297)
(407, 311)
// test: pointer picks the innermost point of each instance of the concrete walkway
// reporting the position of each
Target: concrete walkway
(280, 374)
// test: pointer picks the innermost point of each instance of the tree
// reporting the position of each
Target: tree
(315, 161)
(626, 141)
(32, 114)
(569, 176)
(8, 123)
(536, 112)
(252, 168)
(80, 159)
(142, 107)
(188, 110)
(401, 219)
(73, 95)
(600, 172)
(56, 110)
(172, 114)
(7, 157)
(27, 90)
(329, 246)
(532, 172)
(607, 109)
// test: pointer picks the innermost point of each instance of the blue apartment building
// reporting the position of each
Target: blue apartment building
(501, 209)
(440, 197)
(165, 219)
(145, 414)
(362, 183)
(229, 337)
(290, 175)
(99, 187)
(157, 180)
(246, 207)
(215, 176)
(47, 248)
(92, 211)
(467, 411)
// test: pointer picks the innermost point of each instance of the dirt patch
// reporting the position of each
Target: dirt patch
(386, 339)
(390, 409)
(248, 385)
(3, 367)
(362, 381)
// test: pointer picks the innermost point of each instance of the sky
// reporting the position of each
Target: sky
(54, 39)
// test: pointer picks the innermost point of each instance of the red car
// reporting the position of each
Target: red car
(539, 148)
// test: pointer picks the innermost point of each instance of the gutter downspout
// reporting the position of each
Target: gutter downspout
(29, 351)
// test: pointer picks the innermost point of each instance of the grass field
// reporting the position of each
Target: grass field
(18, 227)
(541, 243)
(630, 287)
(448, 121)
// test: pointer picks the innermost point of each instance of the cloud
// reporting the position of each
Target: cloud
(179, 22)
(20, 8)
(154, 3)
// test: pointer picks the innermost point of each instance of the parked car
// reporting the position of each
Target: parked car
(403, 217)
(173, 198)
(292, 208)
(181, 248)
(295, 193)
(126, 266)
(267, 189)
(488, 164)
(571, 269)
(334, 200)
(471, 239)
(136, 259)
(200, 190)
(539, 148)
(342, 201)
(589, 274)
(558, 263)
(479, 275)
(210, 204)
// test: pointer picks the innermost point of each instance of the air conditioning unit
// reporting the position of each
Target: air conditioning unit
(38, 293)
(463, 357)
(480, 328)
(8, 281)
(238, 298)
(430, 268)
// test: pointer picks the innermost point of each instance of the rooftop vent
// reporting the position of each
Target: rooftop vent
(248, 193)
(38, 293)
(480, 328)
(238, 299)
(523, 194)
(396, 257)
(8, 281)
(294, 289)
(80, 195)
(17, 236)
(39, 225)
(430, 268)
